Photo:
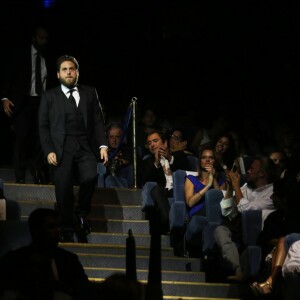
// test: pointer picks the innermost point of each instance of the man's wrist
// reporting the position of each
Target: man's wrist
(156, 164)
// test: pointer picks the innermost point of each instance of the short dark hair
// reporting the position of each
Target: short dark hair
(159, 132)
(268, 165)
(64, 58)
(113, 125)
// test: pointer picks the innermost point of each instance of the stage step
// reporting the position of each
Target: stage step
(115, 212)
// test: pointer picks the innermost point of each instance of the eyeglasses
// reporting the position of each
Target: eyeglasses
(176, 137)
(112, 137)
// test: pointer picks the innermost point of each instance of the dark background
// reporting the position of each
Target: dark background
(186, 56)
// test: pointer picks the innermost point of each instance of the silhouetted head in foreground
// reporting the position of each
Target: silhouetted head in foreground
(118, 286)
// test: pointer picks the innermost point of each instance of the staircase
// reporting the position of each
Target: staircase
(114, 212)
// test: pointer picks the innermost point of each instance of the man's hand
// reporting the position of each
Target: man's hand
(104, 155)
(8, 107)
(235, 179)
(165, 152)
(51, 158)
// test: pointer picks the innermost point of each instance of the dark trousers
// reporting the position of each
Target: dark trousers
(27, 148)
(160, 196)
(77, 159)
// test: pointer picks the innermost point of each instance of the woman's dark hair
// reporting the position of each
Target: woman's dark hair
(229, 156)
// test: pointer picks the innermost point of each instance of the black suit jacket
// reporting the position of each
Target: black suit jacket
(52, 120)
(151, 173)
(17, 79)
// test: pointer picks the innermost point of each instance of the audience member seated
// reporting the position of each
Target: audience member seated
(224, 148)
(274, 226)
(280, 159)
(158, 167)
(178, 141)
(42, 270)
(254, 194)
(209, 131)
(120, 156)
(285, 261)
(286, 195)
(196, 186)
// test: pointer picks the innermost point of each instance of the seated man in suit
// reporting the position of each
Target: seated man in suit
(119, 154)
(158, 167)
(42, 270)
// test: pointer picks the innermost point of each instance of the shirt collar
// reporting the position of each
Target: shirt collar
(66, 89)
(33, 50)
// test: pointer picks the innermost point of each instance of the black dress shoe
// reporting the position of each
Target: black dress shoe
(81, 237)
(83, 229)
(84, 225)
(38, 177)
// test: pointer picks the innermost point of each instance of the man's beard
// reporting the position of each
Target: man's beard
(68, 84)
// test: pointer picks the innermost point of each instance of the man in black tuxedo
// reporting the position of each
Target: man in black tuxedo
(73, 139)
(41, 269)
(23, 84)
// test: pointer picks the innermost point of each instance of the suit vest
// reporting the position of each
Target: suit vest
(74, 120)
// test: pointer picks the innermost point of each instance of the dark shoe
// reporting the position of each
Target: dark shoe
(38, 177)
(81, 237)
(84, 225)
(83, 230)
(66, 237)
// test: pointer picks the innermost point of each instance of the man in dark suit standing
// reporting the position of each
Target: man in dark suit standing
(73, 139)
(28, 75)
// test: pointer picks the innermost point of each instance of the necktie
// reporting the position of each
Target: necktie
(38, 75)
(71, 98)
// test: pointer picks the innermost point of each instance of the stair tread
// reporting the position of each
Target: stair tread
(114, 212)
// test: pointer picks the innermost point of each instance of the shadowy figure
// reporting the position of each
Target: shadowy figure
(21, 99)
(119, 286)
(42, 270)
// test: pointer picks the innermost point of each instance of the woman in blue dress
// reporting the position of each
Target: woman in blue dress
(210, 176)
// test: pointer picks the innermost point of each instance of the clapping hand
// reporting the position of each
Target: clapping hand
(234, 178)
(210, 179)
(164, 151)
